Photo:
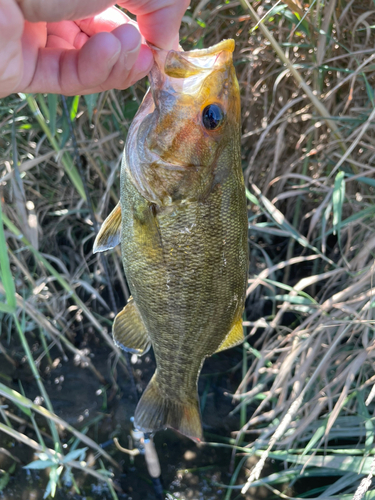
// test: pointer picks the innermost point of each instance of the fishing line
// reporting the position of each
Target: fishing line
(151, 457)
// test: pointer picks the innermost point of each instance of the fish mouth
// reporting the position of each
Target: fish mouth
(184, 71)
(180, 64)
(225, 45)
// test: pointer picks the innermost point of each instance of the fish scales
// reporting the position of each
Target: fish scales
(183, 231)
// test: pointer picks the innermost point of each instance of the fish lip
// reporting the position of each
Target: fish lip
(226, 44)
(173, 65)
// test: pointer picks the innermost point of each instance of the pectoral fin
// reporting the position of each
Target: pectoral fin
(129, 331)
(110, 232)
(234, 337)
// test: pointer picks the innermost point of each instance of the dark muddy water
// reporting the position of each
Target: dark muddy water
(189, 471)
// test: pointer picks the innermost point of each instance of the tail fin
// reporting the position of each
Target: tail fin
(154, 412)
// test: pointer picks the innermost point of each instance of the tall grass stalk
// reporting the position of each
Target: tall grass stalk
(319, 106)
(38, 380)
(18, 399)
(67, 287)
(66, 159)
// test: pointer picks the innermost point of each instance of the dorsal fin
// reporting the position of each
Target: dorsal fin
(110, 232)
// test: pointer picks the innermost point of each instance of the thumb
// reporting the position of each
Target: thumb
(57, 10)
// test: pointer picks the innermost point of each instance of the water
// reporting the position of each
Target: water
(189, 471)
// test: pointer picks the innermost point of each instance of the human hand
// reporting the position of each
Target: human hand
(81, 46)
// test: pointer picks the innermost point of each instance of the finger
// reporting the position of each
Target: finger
(57, 10)
(130, 40)
(57, 70)
(11, 27)
(140, 69)
(11, 21)
(95, 67)
(108, 20)
(34, 39)
(80, 40)
(56, 42)
(67, 30)
(11, 67)
(77, 32)
(158, 20)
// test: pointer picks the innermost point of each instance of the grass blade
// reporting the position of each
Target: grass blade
(6, 275)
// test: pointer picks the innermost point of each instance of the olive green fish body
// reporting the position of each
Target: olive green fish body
(185, 266)
(183, 233)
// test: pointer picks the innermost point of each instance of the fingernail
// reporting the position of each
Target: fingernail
(131, 57)
(113, 59)
(142, 66)
(133, 41)
(130, 39)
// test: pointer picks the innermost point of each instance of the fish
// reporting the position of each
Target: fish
(183, 229)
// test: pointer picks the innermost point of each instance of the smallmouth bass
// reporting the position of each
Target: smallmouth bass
(182, 224)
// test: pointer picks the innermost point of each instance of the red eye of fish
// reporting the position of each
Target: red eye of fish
(212, 116)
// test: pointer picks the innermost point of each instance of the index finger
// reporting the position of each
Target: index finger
(107, 20)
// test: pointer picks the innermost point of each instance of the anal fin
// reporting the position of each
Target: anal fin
(234, 337)
(129, 331)
(109, 235)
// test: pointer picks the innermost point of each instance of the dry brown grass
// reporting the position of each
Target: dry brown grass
(308, 158)
(311, 227)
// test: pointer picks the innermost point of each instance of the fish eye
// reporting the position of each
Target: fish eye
(212, 116)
